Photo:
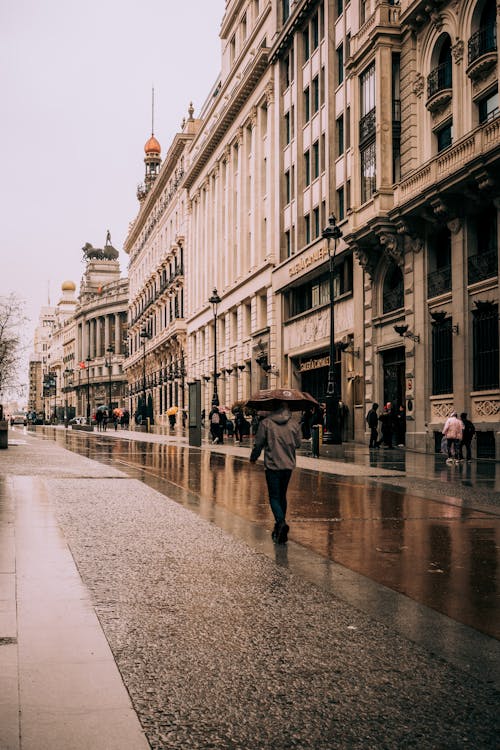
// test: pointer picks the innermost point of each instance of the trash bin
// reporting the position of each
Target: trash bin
(315, 440)
(4, 432)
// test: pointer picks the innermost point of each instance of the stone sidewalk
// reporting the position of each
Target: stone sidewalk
(218, 644)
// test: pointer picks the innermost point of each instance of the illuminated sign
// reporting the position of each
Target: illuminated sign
(314, 364)
(308, 260)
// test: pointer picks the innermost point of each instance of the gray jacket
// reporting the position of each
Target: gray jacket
(279, 436)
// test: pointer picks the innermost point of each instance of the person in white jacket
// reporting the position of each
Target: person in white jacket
(453, 431)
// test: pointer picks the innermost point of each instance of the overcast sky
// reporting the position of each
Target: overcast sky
(75, 92)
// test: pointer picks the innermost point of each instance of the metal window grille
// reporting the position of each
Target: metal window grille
(485, 346)
(439, 78)
(442, 358)
(482, 42)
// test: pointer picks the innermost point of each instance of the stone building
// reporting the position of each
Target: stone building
(96, 353)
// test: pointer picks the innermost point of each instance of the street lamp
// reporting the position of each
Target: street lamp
(144, 334)
(66, 374)
(107, 363)
(88, 361)
(214, 301)
(332, 433)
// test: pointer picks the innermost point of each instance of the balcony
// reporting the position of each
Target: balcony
(482, 52)
(482, 266)
(439, 87)
(439, 282)
(367, 126)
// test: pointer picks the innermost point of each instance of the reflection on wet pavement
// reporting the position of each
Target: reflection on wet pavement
(440, 554)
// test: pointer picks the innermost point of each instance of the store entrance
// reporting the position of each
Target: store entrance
(315, 382)
(394, 376)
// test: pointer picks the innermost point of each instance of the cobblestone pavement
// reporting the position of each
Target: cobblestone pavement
(220, 647)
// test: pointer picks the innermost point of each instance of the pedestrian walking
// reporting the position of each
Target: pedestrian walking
(279, 435)
(386, 420)
(453, 432)
(223, 425)
(98, 418)
(372, 420)
(467, 434)
(214, 421)
(400, 426)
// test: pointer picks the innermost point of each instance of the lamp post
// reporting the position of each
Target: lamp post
(332, 433)
(88, 361)
(214, 301)
(144, 334)
(66, 374)
(108, 364)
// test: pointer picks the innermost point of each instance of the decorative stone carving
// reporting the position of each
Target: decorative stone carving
(412, 243)
(252, 118)
(458, 51)
(366, 260)
(454, 225)
(419, 85)
(392, 247)
(269, 93)
(486, 408)
(484, 180)
(441, 410)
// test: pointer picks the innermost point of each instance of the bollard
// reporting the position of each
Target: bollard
(4, 433)
(315, 440)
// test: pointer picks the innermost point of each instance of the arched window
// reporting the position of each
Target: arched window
(393, 294)
(440, 78)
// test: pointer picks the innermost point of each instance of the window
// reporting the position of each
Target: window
(288, 66)
(340, 204)
(316, 293)
(316, 229)
(315, 94)
(285, 10)
(340, 135)
(307, 168)
(485, 346)
(340, 7)
(368, 172)
(315, 31)
(488, 107)
(315, 164)
(393, 292)
(442, 357)
(444, 137)
(305, 44)
(439, 277)
(288, 244)
(307, 105)
(232, 49)
(363, 10)
(340, 64)
(307, 229)
(483, 261)
(367, 87)
(287, 127)
(244, 27)
(322, 86)
(288, 192)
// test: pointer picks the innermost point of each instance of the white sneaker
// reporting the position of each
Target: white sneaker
(449, 460)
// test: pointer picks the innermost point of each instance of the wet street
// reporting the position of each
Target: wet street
(442, 553)
(143, 603)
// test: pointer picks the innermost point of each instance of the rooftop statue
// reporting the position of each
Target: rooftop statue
(95, 253)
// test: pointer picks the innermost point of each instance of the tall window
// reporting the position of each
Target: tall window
(315, 31)
(340, 204)
(287, 128)
(307, 104)
(285, 10)
(305, 44)
(485, 347)
(307, 167)
(340, 64)
(367, 86)
(393, 293)
(307, 229)
(444, 136)
(483, 260)
(288, 193)
(340, 135)
(442, 357)
(368, 172)
(315, 94)
(315, 164)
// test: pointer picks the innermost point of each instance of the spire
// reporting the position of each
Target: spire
(152, 160)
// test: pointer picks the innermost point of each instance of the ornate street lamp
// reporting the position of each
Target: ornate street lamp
(144, 334)
(107, 363)
(214, 301)
(332, 433)
(88, 361)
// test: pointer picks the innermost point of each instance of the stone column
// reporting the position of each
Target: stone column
(117, 334)
(98, 344)
(106, 332)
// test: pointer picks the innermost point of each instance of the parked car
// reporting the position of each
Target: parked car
(19, 418)
(78, 420)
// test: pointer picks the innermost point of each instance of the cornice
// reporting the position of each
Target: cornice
(239, 97)
(302, 10)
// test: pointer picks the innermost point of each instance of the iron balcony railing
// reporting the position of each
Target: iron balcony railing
(482, 42)
(482, 266)
(439, 79)
(367, 126)
(439, 282)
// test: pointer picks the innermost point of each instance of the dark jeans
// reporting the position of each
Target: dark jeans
(467, 447)
(453, 447)
(373, 437)
(277, 483)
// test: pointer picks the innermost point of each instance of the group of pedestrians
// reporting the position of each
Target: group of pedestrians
(221, 425)
(103, 419)
(393, 426)
(457, 435)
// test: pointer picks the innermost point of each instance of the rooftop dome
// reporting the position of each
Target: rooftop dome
(152, 146)
(68, 286)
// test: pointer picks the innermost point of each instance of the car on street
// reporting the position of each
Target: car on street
(78, 420)
(18, 418)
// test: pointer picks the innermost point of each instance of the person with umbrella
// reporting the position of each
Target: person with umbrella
(279, 435)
